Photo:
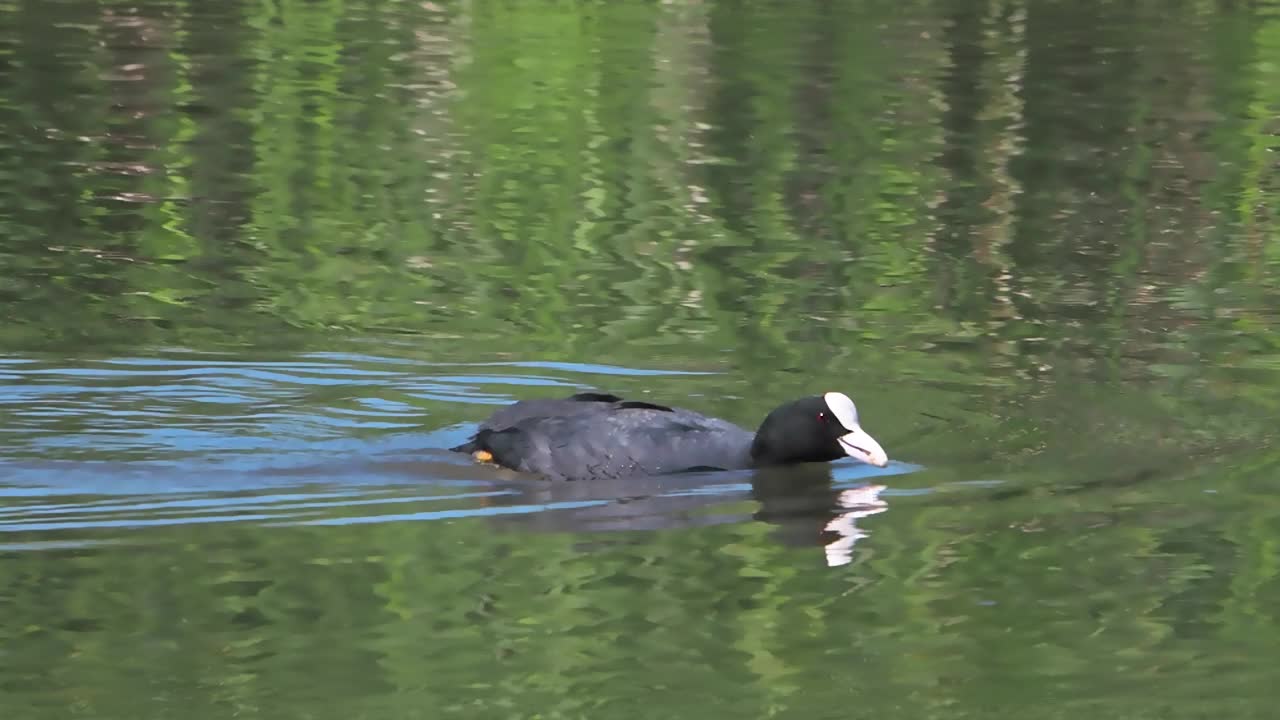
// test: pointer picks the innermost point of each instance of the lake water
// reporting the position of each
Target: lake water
(262, 263)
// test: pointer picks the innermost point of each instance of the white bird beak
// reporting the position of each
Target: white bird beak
(858, 444)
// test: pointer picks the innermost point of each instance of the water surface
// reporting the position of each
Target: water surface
(263, 263)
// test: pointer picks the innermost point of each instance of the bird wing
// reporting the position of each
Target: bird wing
(626, 441)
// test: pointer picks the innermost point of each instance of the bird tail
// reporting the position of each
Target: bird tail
(504, 447)
(488, 440)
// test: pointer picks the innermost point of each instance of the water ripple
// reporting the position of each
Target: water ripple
(122, 445)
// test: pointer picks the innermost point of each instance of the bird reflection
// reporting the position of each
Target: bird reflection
(807, 508)
(803, 504)
(841, 529)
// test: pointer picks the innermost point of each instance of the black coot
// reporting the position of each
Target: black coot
(597, 435)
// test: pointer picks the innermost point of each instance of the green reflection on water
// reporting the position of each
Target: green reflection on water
(1037, 241)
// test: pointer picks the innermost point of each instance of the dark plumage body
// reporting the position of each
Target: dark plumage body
(597, 435)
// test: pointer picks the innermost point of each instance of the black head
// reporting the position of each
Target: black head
(820, 428)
